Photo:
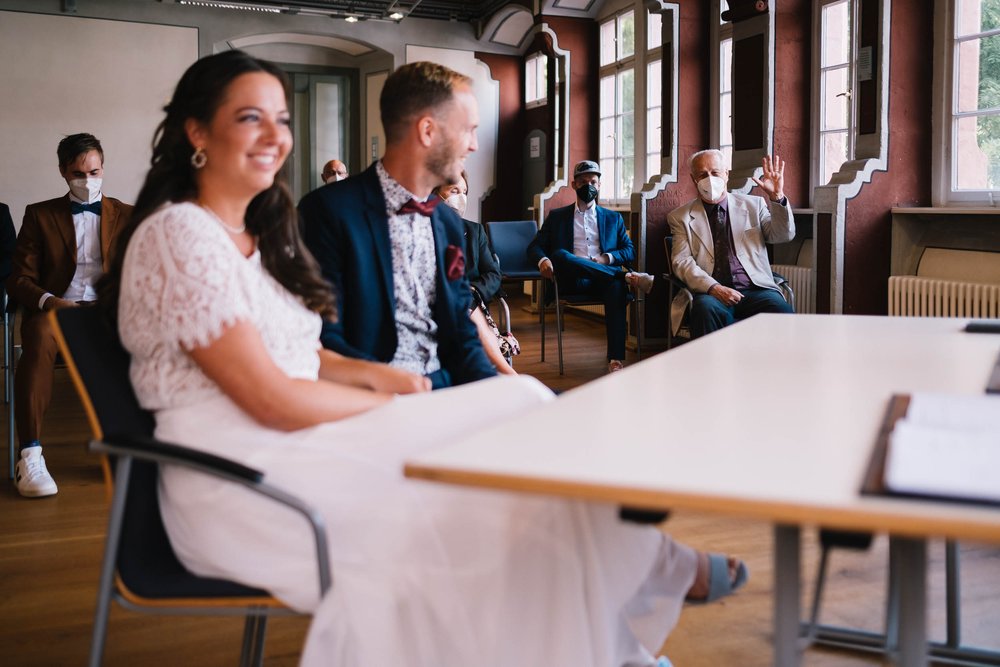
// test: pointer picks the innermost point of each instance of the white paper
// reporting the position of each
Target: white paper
(947, 445)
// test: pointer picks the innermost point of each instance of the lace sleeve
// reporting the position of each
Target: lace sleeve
(183, 281)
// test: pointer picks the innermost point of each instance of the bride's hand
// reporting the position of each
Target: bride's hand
(395, 381)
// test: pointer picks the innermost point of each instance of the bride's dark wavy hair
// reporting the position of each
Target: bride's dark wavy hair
(271, 215)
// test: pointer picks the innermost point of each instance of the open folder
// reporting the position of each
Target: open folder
(943, 446)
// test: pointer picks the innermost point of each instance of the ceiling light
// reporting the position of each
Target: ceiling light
(230, 5)
(396, 16)
(351, 19)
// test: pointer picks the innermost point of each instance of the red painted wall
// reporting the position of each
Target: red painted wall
(504, 202)
(907, 182)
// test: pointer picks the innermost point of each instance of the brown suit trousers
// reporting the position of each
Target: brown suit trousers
(45, 261)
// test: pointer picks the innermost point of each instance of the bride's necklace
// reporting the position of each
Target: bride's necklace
(229, 228)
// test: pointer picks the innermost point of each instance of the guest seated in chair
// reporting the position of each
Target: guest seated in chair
(423, 574)
(64, 246)
(719, 238)
(484, 278)
(395, 257)
(585, 247)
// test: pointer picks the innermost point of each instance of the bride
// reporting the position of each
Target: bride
(220, 307)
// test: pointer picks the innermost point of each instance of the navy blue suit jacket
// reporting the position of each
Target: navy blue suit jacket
(346, 228)
(557, 234)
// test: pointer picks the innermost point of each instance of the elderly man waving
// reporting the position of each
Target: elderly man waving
(719, 239)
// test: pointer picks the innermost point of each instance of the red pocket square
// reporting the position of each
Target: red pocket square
(454, 262)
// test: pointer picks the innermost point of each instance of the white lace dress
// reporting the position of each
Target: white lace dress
(424, 575)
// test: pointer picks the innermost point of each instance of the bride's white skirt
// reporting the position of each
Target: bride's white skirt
(424, 575)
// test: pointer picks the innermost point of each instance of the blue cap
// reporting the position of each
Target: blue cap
(586, 167)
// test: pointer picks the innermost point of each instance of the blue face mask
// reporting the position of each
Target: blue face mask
(586, 193)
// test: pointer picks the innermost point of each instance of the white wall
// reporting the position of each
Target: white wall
(480, 166)
(61, 75)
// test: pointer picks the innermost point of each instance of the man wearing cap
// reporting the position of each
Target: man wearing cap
(584, 247)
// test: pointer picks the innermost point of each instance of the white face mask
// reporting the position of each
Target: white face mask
(459, 202)
(711, 188)
(86, 189)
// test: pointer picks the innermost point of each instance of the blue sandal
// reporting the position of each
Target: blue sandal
(719, 583)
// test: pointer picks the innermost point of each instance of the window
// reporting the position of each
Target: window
(536, 80)
(617, 105)
(724, 138)
(833, 105)
(654, 93)
(975, 101)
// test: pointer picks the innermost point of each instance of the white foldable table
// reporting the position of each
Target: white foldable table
(774, 418)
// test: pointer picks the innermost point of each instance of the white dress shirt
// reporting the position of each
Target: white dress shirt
(89, 265)
(586, 236)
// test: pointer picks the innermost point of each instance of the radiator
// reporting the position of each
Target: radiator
(801, 280)
(934, 297)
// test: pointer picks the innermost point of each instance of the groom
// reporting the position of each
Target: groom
(393, 258)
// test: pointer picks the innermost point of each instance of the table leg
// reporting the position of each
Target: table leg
(787, 596)
(911, 558)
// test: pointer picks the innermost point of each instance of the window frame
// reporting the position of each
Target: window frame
(539, 62)
(817, 133)
(944, 160)
(722, 32)
(618, 68)
(653, 56)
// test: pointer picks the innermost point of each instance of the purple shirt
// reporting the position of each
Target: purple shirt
(740, 278)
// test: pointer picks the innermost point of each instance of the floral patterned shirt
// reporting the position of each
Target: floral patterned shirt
(413, 279)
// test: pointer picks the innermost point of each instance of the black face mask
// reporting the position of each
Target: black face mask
(586, 193)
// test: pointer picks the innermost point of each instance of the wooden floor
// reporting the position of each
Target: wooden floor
(51, 549)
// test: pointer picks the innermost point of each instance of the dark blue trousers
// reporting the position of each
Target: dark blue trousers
(708, 314)
(579, 276)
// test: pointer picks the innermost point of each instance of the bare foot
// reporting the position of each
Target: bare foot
(699, 589)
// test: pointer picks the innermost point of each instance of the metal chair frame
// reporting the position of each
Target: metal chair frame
(132, 449)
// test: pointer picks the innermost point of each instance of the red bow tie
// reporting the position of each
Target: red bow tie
(421, 207)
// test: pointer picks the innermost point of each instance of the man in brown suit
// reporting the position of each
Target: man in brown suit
(63, 247)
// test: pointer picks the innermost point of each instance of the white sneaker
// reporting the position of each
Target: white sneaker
(643, 281)
(31, 476)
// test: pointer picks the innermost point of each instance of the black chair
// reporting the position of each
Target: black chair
(510, 239)
(10, 352)
(137, 549)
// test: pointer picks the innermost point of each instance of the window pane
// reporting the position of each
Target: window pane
(626, 173)
(626, 35)
(543, 77)
(977, 153)
(627, 144)
(836, 34)
(725, 65)
(834, 147)
(976, 16)
(654, 81)
(652, 165)
(607, 138)
(608, 96)
(608, 176)
(654, 133)
(608, 42)
(654, 30)
(727, 153)
(725, 120)
(530, 84)
(626, 91)
(835, 100)
(978, 70)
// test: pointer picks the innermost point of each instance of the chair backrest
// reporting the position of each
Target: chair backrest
(510, 239)
(99, 366)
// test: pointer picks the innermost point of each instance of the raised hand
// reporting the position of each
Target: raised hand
(772, 181)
